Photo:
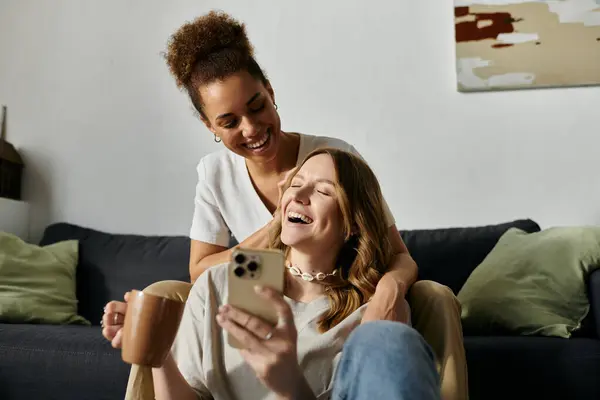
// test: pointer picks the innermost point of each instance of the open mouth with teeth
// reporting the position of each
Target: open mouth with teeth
(261, 143)
(297, 218)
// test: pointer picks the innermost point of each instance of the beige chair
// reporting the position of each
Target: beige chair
(435, 313)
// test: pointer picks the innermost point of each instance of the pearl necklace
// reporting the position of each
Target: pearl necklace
(295, 271)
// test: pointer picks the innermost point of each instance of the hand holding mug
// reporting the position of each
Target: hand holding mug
(147, 331)
(113, 320)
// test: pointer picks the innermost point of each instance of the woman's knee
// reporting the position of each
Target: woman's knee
(386, 335)
(426, 287)
(170, 289)
(432, 294)
(392, 343)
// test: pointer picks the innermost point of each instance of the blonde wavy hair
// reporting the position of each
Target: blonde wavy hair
(367, 251)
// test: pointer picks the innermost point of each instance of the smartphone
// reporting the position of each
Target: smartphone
(247, 269)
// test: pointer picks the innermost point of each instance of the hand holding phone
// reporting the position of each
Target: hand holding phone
(250, 268)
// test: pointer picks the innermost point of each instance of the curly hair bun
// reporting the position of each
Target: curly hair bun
(210, 38)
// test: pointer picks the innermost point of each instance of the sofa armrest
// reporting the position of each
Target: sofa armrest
(594, 296)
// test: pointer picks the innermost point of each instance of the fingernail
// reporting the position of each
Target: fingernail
(224, 308)
(220, 318)
(259, 289)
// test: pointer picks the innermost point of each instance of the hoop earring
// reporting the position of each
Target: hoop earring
(217, 139)
(276, 106)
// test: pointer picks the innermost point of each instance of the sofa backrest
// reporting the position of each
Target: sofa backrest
(111, 264)
(450, 255)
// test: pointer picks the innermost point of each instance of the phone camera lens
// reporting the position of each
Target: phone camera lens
(252, 266)
(240, 258)
(239, 271)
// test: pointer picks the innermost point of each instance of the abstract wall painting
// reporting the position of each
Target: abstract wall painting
(526, 44)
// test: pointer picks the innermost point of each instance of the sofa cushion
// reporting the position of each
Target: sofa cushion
(112, 264)
(448, 256)
(533, 284)
(66, 362)
(532, 367)
(37, 284)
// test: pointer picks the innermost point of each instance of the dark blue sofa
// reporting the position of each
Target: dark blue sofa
(75, 362)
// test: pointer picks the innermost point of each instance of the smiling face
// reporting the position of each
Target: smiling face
(311, 214)
(240, 110)
(346, 221)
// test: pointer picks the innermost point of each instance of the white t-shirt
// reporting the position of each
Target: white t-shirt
(226, 203)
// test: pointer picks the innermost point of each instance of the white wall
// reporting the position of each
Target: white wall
(111, 144)
(14, 217)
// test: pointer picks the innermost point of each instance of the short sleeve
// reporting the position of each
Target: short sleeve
(187, 347)
(391, 221)
(208, 224)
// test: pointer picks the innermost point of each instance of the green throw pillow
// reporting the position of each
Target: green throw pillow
(532, 284)
(37, 284)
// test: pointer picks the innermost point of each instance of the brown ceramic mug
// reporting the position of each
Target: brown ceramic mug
(149, 330)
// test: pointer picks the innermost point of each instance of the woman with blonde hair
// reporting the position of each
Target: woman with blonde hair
(333, 232)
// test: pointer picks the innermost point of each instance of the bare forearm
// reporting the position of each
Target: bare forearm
(170, 384)
(388, 301)
(258, 240)
(402, 272)
(207, 262)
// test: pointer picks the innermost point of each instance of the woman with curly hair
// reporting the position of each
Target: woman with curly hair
(212, 60)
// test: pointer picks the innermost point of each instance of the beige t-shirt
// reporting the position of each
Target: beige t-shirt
(217, 371)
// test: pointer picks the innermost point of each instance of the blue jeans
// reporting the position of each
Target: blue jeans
(386, 360)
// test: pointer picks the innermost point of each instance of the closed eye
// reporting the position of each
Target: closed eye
(259, 109)
(230, 124)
